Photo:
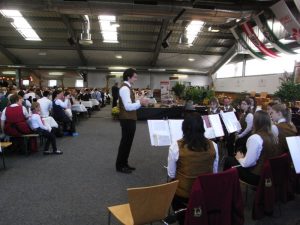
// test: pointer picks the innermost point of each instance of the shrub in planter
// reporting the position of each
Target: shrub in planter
(115, 112)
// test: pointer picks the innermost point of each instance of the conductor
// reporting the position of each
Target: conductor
(128, 117)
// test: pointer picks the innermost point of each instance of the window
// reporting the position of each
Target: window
(230, 70)
(25, 82)
(52, 83)
(79, 83)
(282, 64)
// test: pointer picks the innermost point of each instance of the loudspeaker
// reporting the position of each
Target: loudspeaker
(165, 44)
(71, 41)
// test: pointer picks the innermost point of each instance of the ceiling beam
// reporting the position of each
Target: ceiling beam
(225, 58)
(9, 55)
(118, 49)
(159, 41)
(67, 23)
(127, 8)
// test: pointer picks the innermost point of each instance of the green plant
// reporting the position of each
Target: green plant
(115, 112)
(178, 89)
(288, 91)
(194, 93)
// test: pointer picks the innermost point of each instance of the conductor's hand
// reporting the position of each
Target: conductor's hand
(144, 101)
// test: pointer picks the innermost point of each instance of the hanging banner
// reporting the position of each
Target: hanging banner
(248, 30)
(237, 33)
(263, 25)
(165, 91)
(297, 3)
(286, 18)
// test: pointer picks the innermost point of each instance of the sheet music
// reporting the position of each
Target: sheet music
(231, 122)
(293, 144)
(209, 130)
(216, 124)
(159, 132)
(175, 129)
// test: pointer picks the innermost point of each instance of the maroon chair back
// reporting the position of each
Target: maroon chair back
(273, 186)
(216, 199)
(280, 170)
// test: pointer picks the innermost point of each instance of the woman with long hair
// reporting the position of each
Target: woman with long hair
(283, 127)
(189, 157)
(261, 145)
(246, 121)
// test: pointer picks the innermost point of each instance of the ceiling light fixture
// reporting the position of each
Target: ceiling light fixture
(56, 73)
(192, 30)
(117, 68)
(191, 59)
(156, 69)
(21, 24)
(10, 72)
(210, 29)
(86, 36)
(108, 28)
(119, 57)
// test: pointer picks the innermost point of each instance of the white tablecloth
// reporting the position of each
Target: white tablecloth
(49, 122)
(87, 104)
(79, 108)
(94, 102)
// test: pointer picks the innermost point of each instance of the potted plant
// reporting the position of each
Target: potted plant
(288, 91)
(195, 94)
(178, 90)
(115, 112)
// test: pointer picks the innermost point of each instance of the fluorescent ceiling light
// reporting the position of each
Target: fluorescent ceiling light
(157, 69)
(193, 29)
(56, 73)
(191, 59)
(108, 27)
(119, 57)
(213, 30)
(180, 76)
(21, 25)
(116, 73)
(117, 68)
(10, 72)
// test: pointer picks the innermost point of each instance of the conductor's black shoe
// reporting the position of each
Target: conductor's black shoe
(130, 167)
(124, 170)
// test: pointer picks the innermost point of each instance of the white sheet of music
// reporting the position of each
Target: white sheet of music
(216, 124)
(231, 122)
(209, 130)
(293, 144)
(159, 132)
(175, 129)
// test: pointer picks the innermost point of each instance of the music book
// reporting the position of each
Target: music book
(213, 126)
(165, 132)
(231, 122)
(293, 144)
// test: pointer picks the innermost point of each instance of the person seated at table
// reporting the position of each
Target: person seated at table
(60, 103)
(85, 96)
(14, 118)
(26, 103)
(253, 104)
(38, 126)
(214, 106)
(68, 110)
(188, 158)
(283, 127)
(45, 104)
(261, 145)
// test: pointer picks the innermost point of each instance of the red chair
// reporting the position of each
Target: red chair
(273, 186)
(216, 199)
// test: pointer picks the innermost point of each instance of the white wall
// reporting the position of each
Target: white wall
(264, 83)
(98, 79)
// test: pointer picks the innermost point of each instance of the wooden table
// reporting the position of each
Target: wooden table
(4, 145)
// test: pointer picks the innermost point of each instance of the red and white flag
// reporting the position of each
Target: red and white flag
(286, 18)
(248, 30)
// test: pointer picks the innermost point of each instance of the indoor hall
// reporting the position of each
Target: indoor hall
(224, 64)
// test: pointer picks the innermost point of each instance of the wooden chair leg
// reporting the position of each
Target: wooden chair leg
(109, 217)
